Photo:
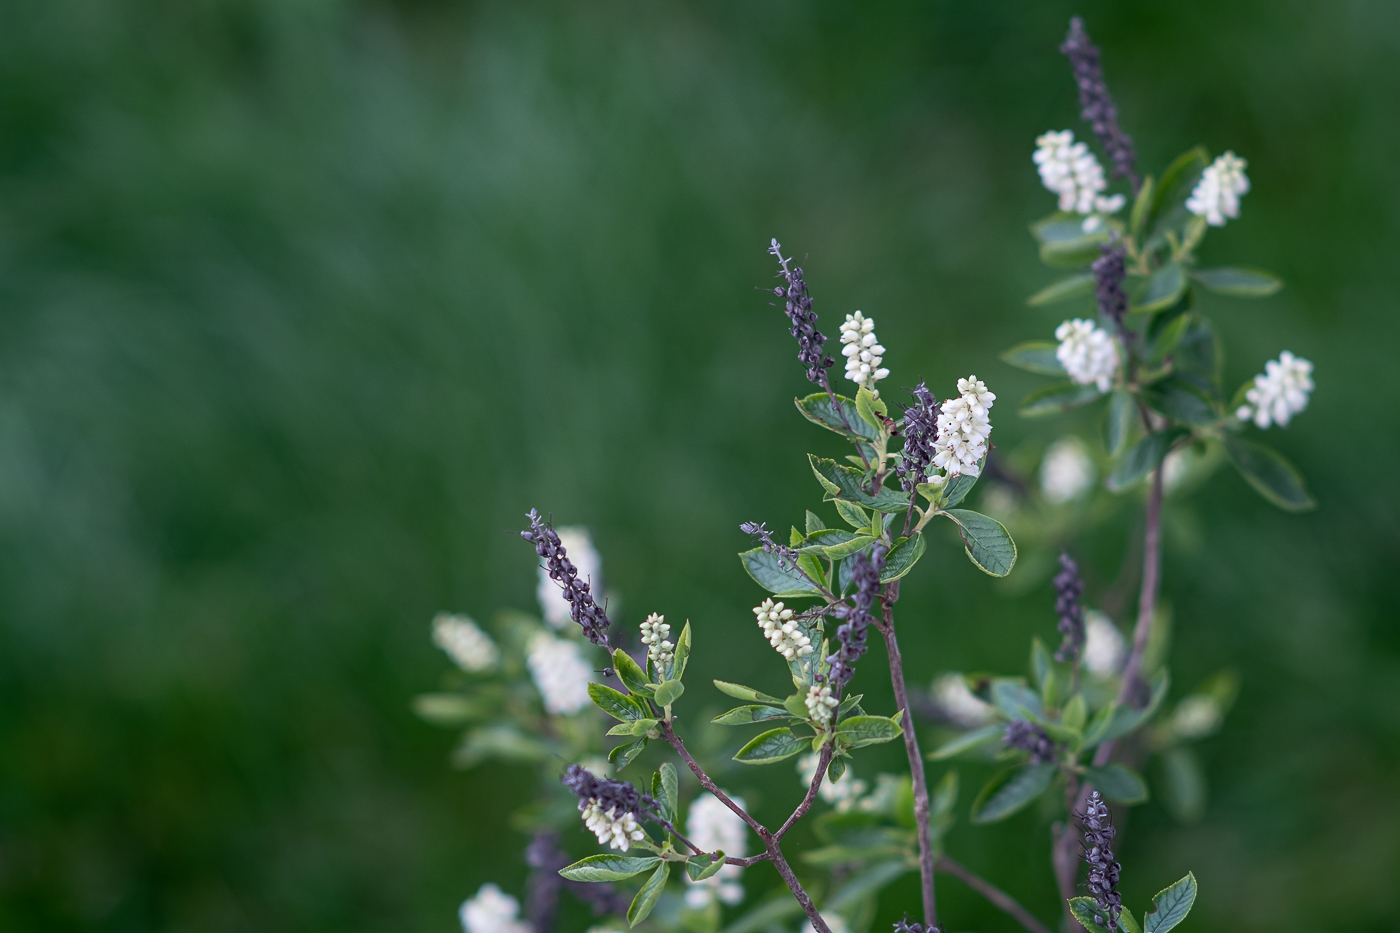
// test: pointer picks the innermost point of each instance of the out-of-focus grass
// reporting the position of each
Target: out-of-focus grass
(303, 304)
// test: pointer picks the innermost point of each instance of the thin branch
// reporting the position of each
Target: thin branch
(841, 410)
(993, 894)
(675, 741)
(822, 764)
(746, 862)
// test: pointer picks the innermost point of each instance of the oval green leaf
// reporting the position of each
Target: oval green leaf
(1010, 791)
(740, 692)
(1071, 287)
(763, 567)
(1163, 289)
(608, 867)
(1118, 782)
(650, 893)
(1036, 356)
(902, 557)
(1171, 905)
(1142, 458)
(1270, 473)
(743, 715)
(966, 742)
(1238, 281)
(770, 747)
(1056, 398)
(987, 541)
(1085, 910)
(817, 408)
(616, 704)
(859, 731)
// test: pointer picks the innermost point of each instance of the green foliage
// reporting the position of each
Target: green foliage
(859, 731)
(1118, 782)
(1270, 473)
(1037, 356)
(650, 893)
(986, 540)
(1057, 398)
(786, 583)
(1073, 286)
(608, 867)
(1011, 791)
(771, 747)
(1238, 282)
(1171, 905)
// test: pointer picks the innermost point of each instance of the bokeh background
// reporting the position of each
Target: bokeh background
(303, 304)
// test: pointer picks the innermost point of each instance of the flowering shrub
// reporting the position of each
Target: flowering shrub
(1081, 726)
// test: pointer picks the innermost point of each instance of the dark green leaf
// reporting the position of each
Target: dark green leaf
(1014, 700)
(740, 692)
(848, 484)
(1182, 786)
(770, 747)
(817, 408)
(1271, 475)
(902, 557)
(1176, 398)
(743, 715)
(763, 567)
(629, 671)
(1010, 791)
(1085, 911)
(1171, 905)
(1037, 356)
(987, 541)
(649, 894)
(1122, 414)
(1168, 201)
(1118, 782)
(1056, 398)
(1064, 243)
(608, 867)
(966, 742)
(617, 705)
(1071, 287)
(1198, 353)
(1168, 337)
(814, 522)
(1238, 281)
(1142, 207)
(1163, 288)
(859, 731)
(699, 868)
(1142, 458)
(959, 486)
(1125, 719)
(623, 755)
(1040, 662)
(668, 692)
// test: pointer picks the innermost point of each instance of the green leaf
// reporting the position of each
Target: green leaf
(682, 653)
(770, 913)
(866, 882)
(853, 515)
(763, 567)
(622, 755)
(503, 742)
(902, 557)
(1176, 398)
(1171, 905)
(1037, 356)
(1125, 719)
(1239, 282)
(1064, 243)
(870, 408)
(1128, 921)
(987, 541)
(1014, 700)
(796, 705)
(668, 692)
(743, 715)
(770, 747)
(847, 484)
(1085, 910)
(814, 522)
(608, 867)
(1271, 475)
(1071, 287)
(450, 709)
(1168, 337)
(1122, 414)
(1199, 352)
(959, 486)
(630, 672)
(859, 731)
(635, 727)
(848, 547)
(649, 894)
(617, 705)
(966, 742)
(1168, 201)
(1075, 713)
(1056, 398)
(670, 787)
(740, 692)
(1010, 791)
(1142, 458)
(1163, 288)
(1040, 662)
(945, 796)
(1118, 782)
(1142, 206)
(817, 408)
(1182, 787)
(699, 870)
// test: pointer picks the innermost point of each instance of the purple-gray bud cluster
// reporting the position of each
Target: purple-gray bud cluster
(1030, 738)
(1098, 107)
(1103, 870)
(1110, 269)
(855, 615)
(609, 794)
(787, 557)
(1069, 587)
(912, 926)
(920, 438)
(798, 306)
(583, 608)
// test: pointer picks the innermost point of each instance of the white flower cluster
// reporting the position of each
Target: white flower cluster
(1070, 170)
(1217, 195)
(863, 352)
(1088, 353)
(579, 545)
(782, 631)
(844, 793)
(1279, 393)
(654, 632)
(963, 428)
(1104, 647)
(715, 828)
(820, 704)
(612, 829)
(466, 644)
(492, 911)
(1066, 472)
(959, 704)
(560, 673)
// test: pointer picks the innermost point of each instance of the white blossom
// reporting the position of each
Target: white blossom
(1196, 716)
(579, 545)
(963, 428)
(863, 352)
(1217, 195)
(1088, 353)
(782, 630)
(1279, 393)
(835, 922)
(618, 830)
(820, 704)
(844, 793)
(715, 828)
(560, 673)
(1104, 647)
(1069, 170)
(959, 704)
(465, 643)
(1066, 472)
(654, 632)
(492, 911)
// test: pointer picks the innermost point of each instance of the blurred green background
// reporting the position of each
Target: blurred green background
(305, 302)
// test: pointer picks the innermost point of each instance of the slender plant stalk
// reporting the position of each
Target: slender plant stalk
(995, 895)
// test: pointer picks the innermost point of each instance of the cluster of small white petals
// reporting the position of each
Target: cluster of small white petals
(963, 428)
(715, 828)
(834, 922)
(612, 829)
(579, 545)
(1070, 170)
(844, 793)
(1104, 647)
(492, 911)
(467, 645)
(820, 704)
(654, 632)
(863, 352)
(782, 630)
(560, 673)
(1088, 353)
(1196, 716)
(1279, 393)
(958, 703)
(1066, 472)
(1217, 195)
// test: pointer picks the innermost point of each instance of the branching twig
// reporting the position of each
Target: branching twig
(992, 893)
(823, 763)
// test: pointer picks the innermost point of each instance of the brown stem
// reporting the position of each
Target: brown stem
(916, 758)
(822, 764)
(1062, 854)
(992, 893)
